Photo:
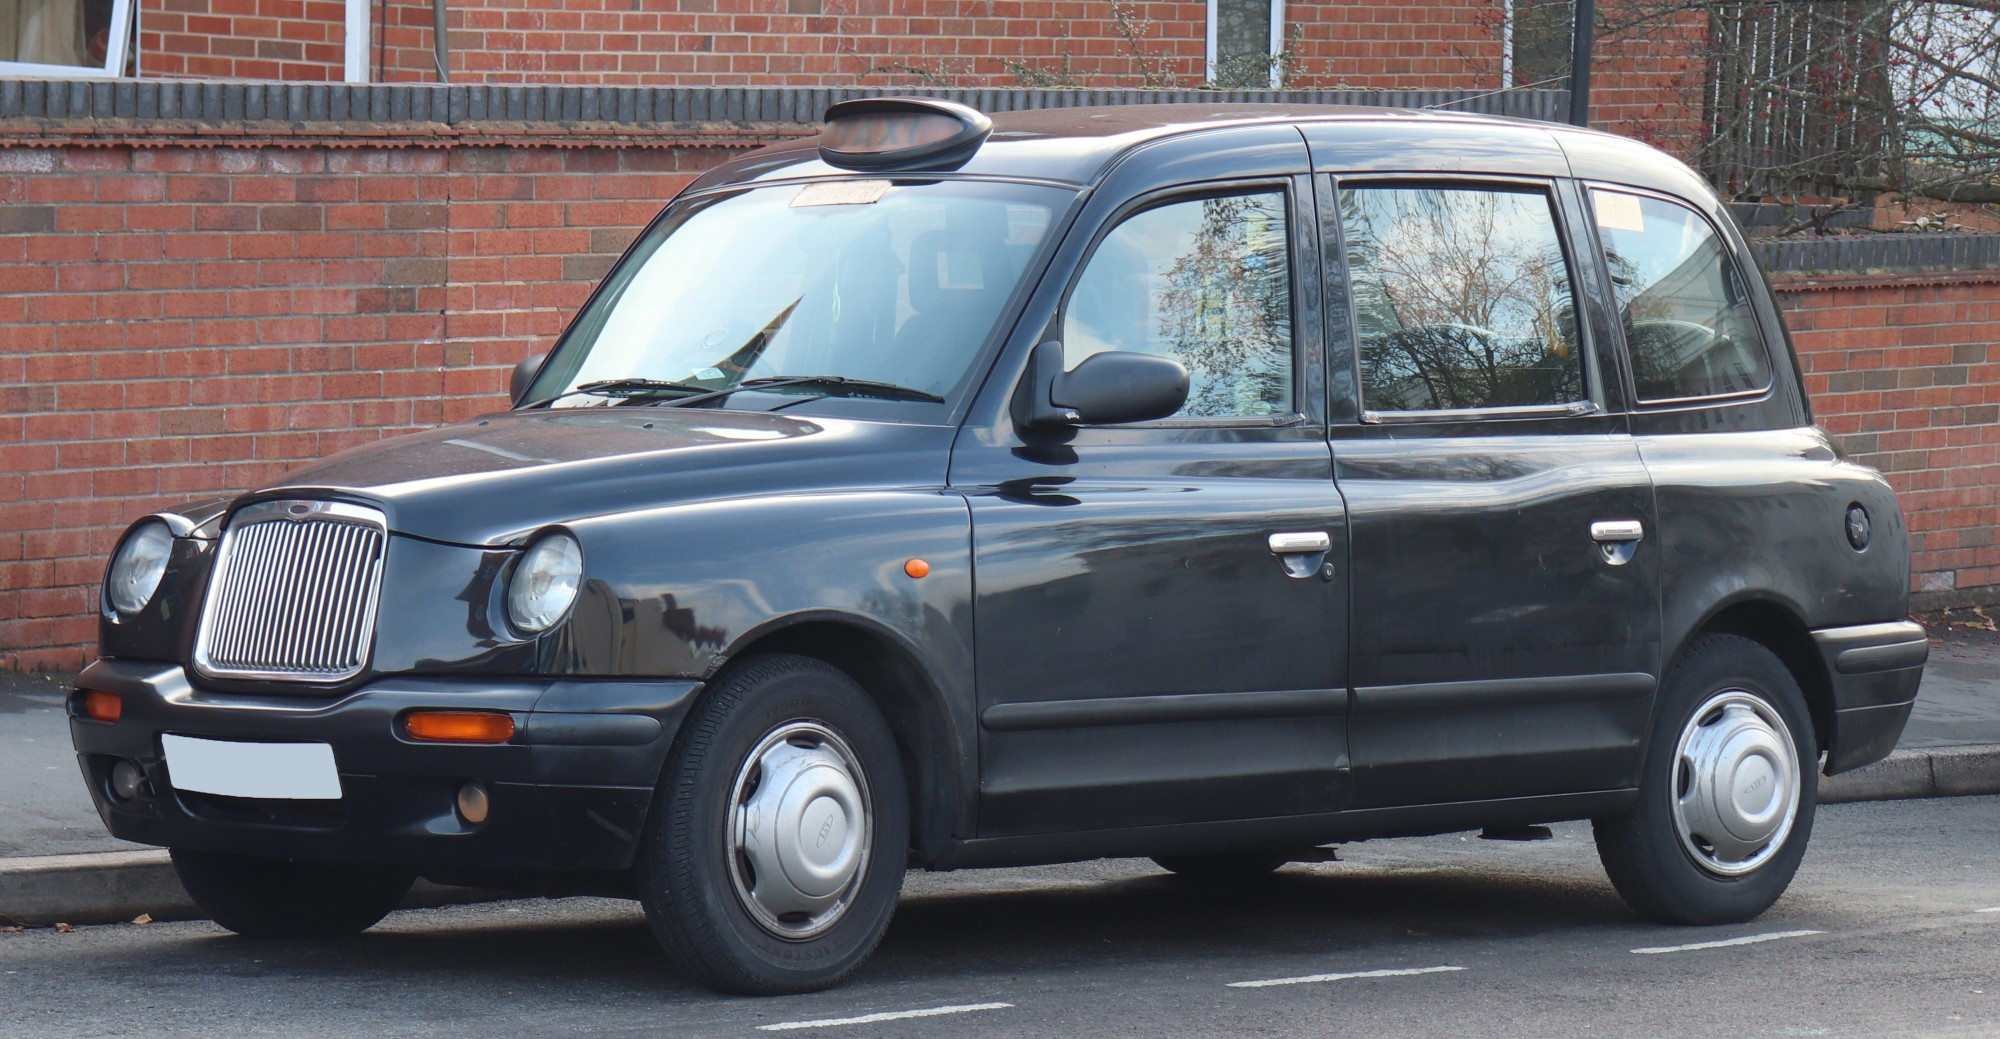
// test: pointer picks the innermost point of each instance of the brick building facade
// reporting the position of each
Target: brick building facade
(1004, 43)
(208, 283)
(882, 44)
(192, 310)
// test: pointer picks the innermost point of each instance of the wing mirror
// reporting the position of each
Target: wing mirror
(524, 376)
(1107, 388)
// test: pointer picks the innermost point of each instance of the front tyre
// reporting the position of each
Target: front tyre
(776, 847)
(1727, 794)
(285, 898)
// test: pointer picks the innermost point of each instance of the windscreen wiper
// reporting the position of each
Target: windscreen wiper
(633, 387)
(824, 385)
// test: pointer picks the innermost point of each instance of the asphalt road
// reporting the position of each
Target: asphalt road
(1892, 929)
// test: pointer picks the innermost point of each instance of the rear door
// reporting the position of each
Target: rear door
(1505, 567)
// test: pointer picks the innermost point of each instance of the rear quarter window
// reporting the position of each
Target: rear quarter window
(1681, 300)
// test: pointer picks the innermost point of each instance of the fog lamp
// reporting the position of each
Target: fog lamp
(125, 780)
(472, 803)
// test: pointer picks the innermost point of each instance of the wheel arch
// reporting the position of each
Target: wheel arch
(1780, 629)
(910, 696)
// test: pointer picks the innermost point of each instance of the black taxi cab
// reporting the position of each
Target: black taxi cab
(1208, 483)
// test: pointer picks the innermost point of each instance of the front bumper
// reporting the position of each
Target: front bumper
(569, 792)
(1874, 670)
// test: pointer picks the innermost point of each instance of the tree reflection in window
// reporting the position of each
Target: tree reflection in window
(1206, 282)
(1461, 298)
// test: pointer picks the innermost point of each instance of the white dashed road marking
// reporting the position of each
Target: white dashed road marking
(1314, 978)
(1992, 909)
(1751, 940)
(893, 1015)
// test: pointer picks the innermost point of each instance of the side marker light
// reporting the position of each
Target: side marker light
(458, 726)
(102, 707)
(917, 568)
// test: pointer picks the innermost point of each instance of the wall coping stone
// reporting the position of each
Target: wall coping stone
(234, 102)
(1856, 254)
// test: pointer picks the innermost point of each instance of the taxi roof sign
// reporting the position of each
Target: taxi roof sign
(874, 133)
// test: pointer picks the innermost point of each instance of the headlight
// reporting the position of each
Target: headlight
(544, 583)
(137, 566)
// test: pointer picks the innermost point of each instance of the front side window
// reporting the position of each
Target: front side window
(64, 37)
(897, 283)
(1206, 282)
(1687, 319)
(1462, 299)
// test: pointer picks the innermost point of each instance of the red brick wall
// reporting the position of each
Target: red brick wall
(182, 323)
(1648, 72)
(294, 40)
(1908, 375)
(1647, 75)
(1429, 44)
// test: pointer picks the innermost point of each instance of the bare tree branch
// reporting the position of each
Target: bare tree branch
(1835, 99)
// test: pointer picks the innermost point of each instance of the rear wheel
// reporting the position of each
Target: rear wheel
(287, 898)
(775, 853)
(1728, 791)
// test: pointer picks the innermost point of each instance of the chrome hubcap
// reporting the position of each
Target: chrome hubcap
(800, 827)
(1736, 784)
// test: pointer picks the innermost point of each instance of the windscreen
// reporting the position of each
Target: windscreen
(898, 283)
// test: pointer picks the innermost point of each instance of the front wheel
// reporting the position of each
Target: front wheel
(286, 898)
(1727, 794)
(775, 852)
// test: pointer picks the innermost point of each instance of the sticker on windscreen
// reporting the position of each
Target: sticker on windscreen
(841, 193)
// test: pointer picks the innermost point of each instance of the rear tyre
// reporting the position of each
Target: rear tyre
(288, 898)
(775, 851)
(1222, 868)
(1727, 793)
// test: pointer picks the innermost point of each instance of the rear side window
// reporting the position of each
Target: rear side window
(1462, 299)
(1687, 319)
(1207, 282)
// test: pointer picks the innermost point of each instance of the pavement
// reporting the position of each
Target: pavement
(58, 865)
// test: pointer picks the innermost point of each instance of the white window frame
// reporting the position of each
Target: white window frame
(115, 49)
(358, 33)
(1275, 46)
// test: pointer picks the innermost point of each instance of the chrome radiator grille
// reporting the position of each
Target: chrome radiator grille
(294, 592)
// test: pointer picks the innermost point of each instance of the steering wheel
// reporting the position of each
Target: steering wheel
(1675, 330)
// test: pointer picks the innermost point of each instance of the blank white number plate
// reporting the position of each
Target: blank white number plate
(291, 771)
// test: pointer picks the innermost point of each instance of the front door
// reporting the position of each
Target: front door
(1160, 606)
(1505, 614)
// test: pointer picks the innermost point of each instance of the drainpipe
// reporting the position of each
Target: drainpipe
(1582, 28)
(440, 49)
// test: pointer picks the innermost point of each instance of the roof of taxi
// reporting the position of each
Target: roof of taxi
(1077, 145)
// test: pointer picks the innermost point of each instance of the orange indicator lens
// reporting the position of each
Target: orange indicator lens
(459, 726)
(917, 568)
(103, 707)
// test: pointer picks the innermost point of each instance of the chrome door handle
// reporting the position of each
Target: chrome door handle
(1604, 531)
(1299, 542)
